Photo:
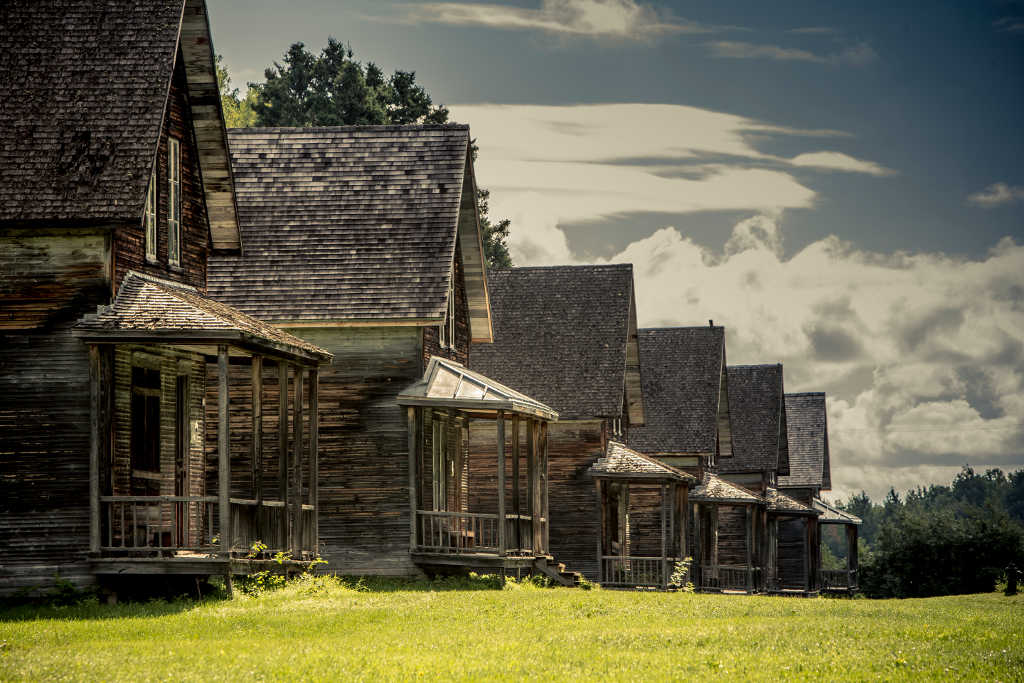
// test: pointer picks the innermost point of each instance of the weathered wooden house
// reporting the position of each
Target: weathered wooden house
(785, 531)
(567, 336)
(115, 187)
(686, 402)
(366, 241)
(810, 474)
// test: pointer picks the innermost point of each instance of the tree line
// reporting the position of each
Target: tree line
(938, 540)
(334, 89)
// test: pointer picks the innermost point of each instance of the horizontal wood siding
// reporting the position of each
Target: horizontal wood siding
(129, 243)
(364, 491)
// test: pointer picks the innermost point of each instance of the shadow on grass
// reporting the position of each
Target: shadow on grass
(65, 602)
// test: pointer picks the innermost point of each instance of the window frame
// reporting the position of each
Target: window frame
(174, 204)
(149, 215)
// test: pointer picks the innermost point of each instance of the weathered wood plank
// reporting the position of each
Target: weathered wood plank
(223, 452)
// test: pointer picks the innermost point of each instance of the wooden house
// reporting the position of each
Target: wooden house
(366, 241)
(785, 531)
(810, 474)
(567, 336)
(688, 426)
(115, 187)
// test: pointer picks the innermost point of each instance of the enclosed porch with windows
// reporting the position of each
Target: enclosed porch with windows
(792, 565)
(507, 527)
(834, 520)
(727, 553)
(172, 492)
(643, 518)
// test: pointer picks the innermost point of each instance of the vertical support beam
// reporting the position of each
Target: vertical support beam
(531, 460)
(314, 456)
(664, 536)
(502, 542)
(257, 435)
(544, 508)
(435, 461)
(536, 487)
(603, 536)
(412, 416)
(748, 519)
(95, 441)
(223, 452)
(297, 435)
(714, 539)
(807, 568)
(698, 544)
(852, 559)
(282, 441)
(516, 508)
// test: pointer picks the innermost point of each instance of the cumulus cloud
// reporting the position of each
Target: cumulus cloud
(621, 19)
(997, 194)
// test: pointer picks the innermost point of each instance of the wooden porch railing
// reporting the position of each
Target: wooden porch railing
(720, 577)
(191, 523)
(838, 579)
(470, 532)
(631, 570)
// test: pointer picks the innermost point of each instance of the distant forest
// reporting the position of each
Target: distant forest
(937, 540)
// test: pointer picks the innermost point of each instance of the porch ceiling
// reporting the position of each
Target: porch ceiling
(447, 384)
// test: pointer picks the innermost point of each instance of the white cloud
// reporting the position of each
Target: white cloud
(997, 194)
(622, 19)
(857, 55)
(548, 166)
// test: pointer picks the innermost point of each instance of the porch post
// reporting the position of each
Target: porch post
(257, 437)
(599, 485)
(749, 535)
(296, 544)
(852, 560)
(223, 454)
(501, 483)
(536, 490)
(714, 540)
(664, 537)
(412, 415)
(698, 544)
(95, 439)
(546, 528)
(282, 449)
(516, 508)
(314, 456)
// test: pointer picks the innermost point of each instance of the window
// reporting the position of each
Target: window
(173, 202)
(149, 218)
(145, 454)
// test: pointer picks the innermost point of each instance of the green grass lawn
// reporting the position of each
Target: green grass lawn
(321, 631)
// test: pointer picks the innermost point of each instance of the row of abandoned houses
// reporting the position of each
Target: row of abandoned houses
(217, 345)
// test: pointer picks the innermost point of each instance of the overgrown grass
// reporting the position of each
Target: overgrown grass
(324, 629)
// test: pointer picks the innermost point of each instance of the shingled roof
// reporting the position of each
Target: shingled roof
(714, 489)
(353, 224)
(757, 412)
(82, 101)
(147, 308)
(781, 503)
(566, 335)
(807, 427)
(682, 370)
(833, 515)
(619, 461)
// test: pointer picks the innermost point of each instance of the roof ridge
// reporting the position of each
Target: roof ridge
(681, 327)
(359, 128)
(160, 281)
(805, 393)
(756, 365)
(566, 266)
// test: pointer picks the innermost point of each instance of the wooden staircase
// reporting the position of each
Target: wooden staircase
(556, 571)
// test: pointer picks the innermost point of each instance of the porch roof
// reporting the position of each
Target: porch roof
(620, 462)
(150, 309)
(780, 502)
(714, 489)
(833, 515)
(447, 383)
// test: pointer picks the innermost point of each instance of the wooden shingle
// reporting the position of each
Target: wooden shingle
(807, 427)
(757, 412)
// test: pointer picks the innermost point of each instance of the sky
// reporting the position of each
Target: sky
(839, 184)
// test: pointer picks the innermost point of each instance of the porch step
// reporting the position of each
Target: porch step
(556, 572)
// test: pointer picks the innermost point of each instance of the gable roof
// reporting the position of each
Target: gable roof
(622, 462)
(353, 224)
(833, 515)
(567, 336)
(682, 376)
(781, 503)
(451, 384)
(151, 308)
(807, 427)
(82, 104)
(714, 489)
(757, 412)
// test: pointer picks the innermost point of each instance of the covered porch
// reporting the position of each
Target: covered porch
(839, 580)
(725, 521)
(172, 492)
(792, 565)
(643, 518)
(445, 529)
